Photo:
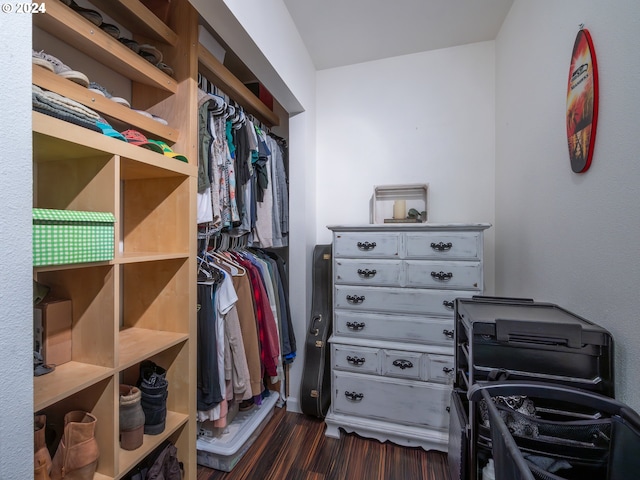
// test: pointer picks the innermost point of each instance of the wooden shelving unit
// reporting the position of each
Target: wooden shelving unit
(142, 304)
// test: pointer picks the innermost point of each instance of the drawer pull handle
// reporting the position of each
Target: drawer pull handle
(355, 299)
(447, 370)
(442, 247)
(357, 326)
(353, 396)
(448, 304)
(366, 246)
(355, 360)
(448, 333)
(442, 276)
(402, 364)
(366, 273)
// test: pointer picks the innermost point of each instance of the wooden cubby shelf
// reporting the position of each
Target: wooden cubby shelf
(136, 344)
(141, 305)
(66, 379)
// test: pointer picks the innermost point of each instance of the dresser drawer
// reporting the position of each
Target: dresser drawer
(448, 275)
(356, 359)
(368, 272)
(366, 245)
(440, 368)
(402, 328)
(402, 364)
(458, 246)
(392, 399)
(401, 300)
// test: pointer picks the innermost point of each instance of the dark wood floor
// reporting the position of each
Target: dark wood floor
(294, 447)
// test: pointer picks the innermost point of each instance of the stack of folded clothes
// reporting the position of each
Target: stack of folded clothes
(55, 105)
(58, 106)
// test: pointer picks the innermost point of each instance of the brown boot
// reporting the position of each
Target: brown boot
(131, 418)
(77, 455)
(41, 457)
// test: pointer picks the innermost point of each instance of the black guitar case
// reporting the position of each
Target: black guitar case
(315, 389)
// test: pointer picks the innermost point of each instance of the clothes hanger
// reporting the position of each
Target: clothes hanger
(237, 270)
(219, 253)
(207, 276)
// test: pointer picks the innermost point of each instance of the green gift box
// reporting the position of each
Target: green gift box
(67, 236)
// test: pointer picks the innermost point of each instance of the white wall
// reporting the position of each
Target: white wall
(262, 34)
(16, 288)
(421, 118)
(562, 237)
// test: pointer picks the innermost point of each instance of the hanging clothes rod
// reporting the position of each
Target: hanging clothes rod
(212, 69)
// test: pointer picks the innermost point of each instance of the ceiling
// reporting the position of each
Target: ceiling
(344, 32)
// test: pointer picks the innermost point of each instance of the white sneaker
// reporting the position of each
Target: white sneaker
(55, 65)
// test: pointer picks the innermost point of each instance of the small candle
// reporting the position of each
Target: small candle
(399, 209)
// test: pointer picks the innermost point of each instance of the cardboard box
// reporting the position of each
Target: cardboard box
(52, 320)
(67, 236)
(211, 44)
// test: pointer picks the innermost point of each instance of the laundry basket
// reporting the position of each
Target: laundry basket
(574, 433)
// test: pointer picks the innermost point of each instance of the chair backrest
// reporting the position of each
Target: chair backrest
(624, 451)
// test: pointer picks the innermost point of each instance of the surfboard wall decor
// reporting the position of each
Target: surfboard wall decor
(582, 102)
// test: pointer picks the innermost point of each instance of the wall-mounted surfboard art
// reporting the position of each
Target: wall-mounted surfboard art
(582, 102)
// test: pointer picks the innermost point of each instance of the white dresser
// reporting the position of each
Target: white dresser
(392, 342)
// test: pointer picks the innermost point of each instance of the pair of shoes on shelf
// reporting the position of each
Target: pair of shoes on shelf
(152, 117)
(100, 90)
(91, 15)
(154, 387)
(111, 29)
(131, 44)
(94, 17)
(56, 66)
(132, 417)
(150, 53)
(154, 56)
(165, 68)
(77, 453)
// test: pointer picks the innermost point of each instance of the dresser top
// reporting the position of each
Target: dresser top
(410, 227)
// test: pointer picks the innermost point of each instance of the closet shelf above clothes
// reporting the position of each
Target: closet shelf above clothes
(216, 72)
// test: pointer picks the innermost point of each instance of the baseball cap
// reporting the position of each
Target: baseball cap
(136, 138)
(166, 150)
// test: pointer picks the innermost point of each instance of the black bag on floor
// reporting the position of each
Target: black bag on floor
(162, 464)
